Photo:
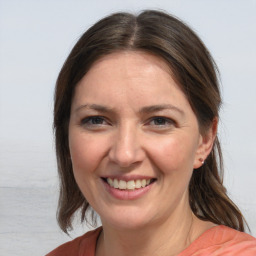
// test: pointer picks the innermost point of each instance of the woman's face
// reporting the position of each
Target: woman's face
(134, 140)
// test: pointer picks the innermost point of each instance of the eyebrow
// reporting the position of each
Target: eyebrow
(99, 108)
(156, 108)
(147, 109)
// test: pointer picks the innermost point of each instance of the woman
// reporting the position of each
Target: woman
(136, 116)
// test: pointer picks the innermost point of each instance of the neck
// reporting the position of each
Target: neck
(167, 238)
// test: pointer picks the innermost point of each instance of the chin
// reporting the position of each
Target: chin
(124, 219)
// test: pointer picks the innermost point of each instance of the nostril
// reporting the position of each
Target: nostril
(125, 151)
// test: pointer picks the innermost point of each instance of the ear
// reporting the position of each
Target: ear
(205, 144)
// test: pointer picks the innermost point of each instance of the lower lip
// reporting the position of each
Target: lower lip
(126, 194)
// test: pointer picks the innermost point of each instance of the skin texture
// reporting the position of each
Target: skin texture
(115, 132)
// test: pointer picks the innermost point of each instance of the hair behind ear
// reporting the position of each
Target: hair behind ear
(208, 196)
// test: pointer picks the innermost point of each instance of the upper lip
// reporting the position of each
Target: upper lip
(128, 177)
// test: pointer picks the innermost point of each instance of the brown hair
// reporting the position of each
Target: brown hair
(195, 71)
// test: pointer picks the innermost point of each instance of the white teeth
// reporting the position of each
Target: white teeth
(130, 185)
(115, 183)
(137, 184)
(110, 182)
(122, 184)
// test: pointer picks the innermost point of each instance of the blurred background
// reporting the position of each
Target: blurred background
(35, 39)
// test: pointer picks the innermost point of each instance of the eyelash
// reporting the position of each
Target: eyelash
(167, 121)
(99, 121)
(90, 119)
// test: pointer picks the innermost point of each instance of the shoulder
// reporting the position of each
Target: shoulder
(222, 240)
(86, 242)
(228, 235)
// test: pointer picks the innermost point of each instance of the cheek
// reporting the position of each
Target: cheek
(173, 155)
(86, 153)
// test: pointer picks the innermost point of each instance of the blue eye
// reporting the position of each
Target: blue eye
(161, 121)
(93, 120)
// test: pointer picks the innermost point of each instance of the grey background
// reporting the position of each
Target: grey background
(35, 39)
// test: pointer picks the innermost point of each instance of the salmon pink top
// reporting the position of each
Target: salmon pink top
(217, 241)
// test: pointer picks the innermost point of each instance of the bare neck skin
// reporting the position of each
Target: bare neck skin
(169, 237)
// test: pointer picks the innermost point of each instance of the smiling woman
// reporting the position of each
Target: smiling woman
(136, 116)
(141, 140)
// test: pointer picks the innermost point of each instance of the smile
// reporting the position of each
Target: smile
(131, 184)
(128, 189)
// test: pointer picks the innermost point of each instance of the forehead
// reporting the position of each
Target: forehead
(129, 76)
(132, 58)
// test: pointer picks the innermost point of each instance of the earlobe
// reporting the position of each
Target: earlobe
(206, 144)
(201, 160)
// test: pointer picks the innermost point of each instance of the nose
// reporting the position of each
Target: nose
(126, 149)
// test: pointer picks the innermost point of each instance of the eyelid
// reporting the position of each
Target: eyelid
(87, 119)
(169, 121)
